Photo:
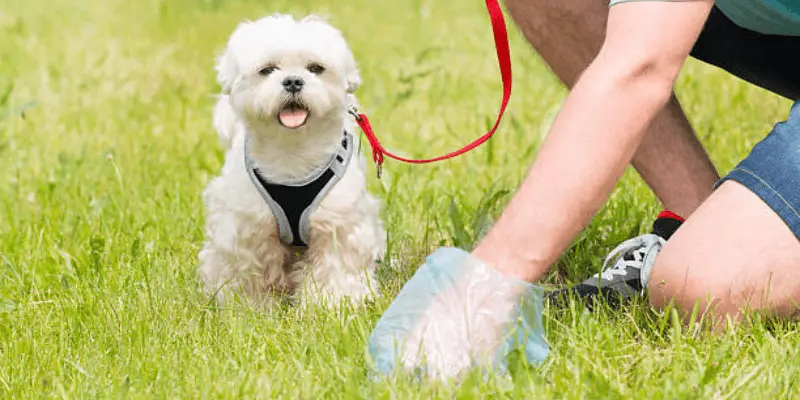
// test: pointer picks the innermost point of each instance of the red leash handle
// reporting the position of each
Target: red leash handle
(504, 61)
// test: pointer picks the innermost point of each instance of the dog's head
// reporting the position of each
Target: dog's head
(292, 73)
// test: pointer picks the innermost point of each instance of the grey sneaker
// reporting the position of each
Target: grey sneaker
(624, 269)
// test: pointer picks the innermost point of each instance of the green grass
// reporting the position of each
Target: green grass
(101, 217)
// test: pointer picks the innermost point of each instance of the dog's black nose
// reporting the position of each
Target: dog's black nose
(293, 84)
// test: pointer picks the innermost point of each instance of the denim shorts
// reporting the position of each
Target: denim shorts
(772, 169)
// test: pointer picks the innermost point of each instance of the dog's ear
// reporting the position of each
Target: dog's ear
(353, 76)
(226, 71)
(227, 66)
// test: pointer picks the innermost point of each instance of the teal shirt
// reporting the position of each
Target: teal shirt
(771, 17)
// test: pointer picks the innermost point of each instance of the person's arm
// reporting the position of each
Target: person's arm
(595, 135)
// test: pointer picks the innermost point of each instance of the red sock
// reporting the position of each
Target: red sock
(671, 215)
(666, 224)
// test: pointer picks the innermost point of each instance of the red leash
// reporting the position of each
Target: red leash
(503, 59)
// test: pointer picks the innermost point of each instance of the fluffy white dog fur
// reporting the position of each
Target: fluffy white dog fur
(243, 251)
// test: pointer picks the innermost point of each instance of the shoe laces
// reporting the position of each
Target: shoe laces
(642, 251)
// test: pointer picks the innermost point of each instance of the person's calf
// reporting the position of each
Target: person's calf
(674, 163)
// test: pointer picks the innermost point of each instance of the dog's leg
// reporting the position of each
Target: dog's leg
(241, 254)
(342, 257)
(226, 275)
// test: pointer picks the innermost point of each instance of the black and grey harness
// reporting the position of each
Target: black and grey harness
(293, 203)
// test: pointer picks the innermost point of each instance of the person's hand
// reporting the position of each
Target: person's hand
(457, 313)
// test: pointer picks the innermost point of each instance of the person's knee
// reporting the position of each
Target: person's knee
(738, 252)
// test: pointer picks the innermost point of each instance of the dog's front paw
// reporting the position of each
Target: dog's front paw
(336, 290)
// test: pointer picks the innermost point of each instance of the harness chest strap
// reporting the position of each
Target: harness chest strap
(293, 203)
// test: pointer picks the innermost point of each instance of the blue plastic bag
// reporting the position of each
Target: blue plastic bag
(457, 313)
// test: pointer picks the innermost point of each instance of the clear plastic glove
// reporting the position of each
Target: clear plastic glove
(457, 313)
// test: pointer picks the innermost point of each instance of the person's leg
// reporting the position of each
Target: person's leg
(670, 159)
(740, 249)
(734, 251)
(568, 35)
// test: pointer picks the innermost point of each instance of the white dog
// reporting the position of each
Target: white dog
(290, 213)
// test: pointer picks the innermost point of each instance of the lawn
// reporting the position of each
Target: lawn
(101, 217)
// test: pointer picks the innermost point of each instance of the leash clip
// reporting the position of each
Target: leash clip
(354, 112)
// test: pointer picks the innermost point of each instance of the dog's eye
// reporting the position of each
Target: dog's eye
(268, 70)
(315, 68)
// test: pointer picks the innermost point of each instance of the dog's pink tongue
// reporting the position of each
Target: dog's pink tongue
(293, 118)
